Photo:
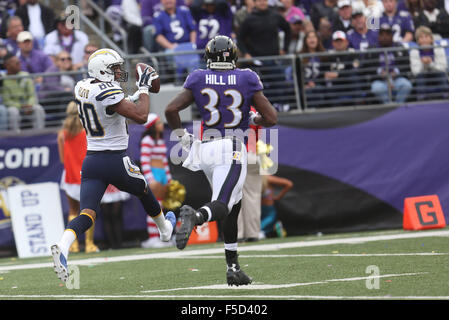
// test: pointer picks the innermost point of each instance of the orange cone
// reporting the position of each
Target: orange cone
(423, 212)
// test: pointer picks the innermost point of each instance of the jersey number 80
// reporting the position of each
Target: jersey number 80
(89, 119)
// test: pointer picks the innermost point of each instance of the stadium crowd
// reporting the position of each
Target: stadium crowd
(331, 34)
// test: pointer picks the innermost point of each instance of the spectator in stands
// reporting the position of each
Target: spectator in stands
(241, 14)
(291, 10)
(437, 19)
(299, 28)
(3, 53)
(132, 21)
(429, 66)
(14, 27)
(4, 16)
(259, 36)
(360, 38)
(259, 32)
(324, 9)
(342, 78)
(32, 60)
(82, 66)
(325, 33)
(343, 20)
(391, 69)
(115, 13)
(38, 19)
(401, 22)
(57, 90)
(174, 25)
(311, 70)
(20, 98)
(414, 7)
(148, 9)
(66, 39)
(371, 8)
(212, 17)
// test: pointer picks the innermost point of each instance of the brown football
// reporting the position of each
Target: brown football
(155, 84)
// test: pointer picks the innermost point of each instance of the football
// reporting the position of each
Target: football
(155, 84)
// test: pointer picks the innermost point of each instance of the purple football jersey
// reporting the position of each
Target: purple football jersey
(224, 97)
(362, 41)
(210, 25)
(400, 23)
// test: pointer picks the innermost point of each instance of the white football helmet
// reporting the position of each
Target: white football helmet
(101, 63)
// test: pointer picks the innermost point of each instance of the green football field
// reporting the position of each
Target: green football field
(393, 264)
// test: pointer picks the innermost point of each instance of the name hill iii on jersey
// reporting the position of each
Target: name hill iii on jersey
(222, 80)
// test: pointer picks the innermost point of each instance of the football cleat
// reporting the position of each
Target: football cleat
(236, 276)
(60, 263)
(170, 222)
(189, 219)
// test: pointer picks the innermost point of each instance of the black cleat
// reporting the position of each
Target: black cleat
(236, 276)
(189, 219)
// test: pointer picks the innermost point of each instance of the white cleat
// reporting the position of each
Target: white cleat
(170, 222)
(60, 263)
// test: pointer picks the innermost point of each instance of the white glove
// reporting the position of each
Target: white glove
(187, 140)
(146, 77)
(252, 117)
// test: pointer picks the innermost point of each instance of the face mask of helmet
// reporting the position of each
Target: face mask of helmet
(120, 74)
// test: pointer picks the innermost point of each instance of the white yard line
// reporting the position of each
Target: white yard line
(242, 248)
(224, 297)
(257, 286)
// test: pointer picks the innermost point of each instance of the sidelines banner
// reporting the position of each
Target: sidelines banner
(36, 216)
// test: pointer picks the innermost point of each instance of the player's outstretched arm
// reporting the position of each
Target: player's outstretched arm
(268, 114)
(178, 103)
(137, 112)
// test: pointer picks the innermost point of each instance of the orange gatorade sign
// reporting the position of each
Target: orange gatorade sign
(205, 233)
(423, 212)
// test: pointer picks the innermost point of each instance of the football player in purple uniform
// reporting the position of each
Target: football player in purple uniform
(224, 95)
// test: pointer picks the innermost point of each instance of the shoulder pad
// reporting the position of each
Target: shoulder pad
(403, 13)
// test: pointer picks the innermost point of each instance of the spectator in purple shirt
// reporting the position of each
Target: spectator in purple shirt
(212, 17)
(173, 25)
(14, 26)
(147, 9)
(401, 22)
(32, 60)
(390, 69)
(360, 38)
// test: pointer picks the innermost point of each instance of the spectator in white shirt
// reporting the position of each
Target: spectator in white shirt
(66, 38)
(38, 19)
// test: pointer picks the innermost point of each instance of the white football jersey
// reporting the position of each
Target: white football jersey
(104, 131)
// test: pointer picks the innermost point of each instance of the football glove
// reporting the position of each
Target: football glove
(146, 77)
(252, 117)
(187, 140)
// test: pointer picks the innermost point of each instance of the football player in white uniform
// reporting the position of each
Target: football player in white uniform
(103, 111)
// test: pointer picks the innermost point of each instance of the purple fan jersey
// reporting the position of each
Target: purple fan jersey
(210, 25)
(224, 97)
(175, 28)
(362, 41)
(400, 23)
